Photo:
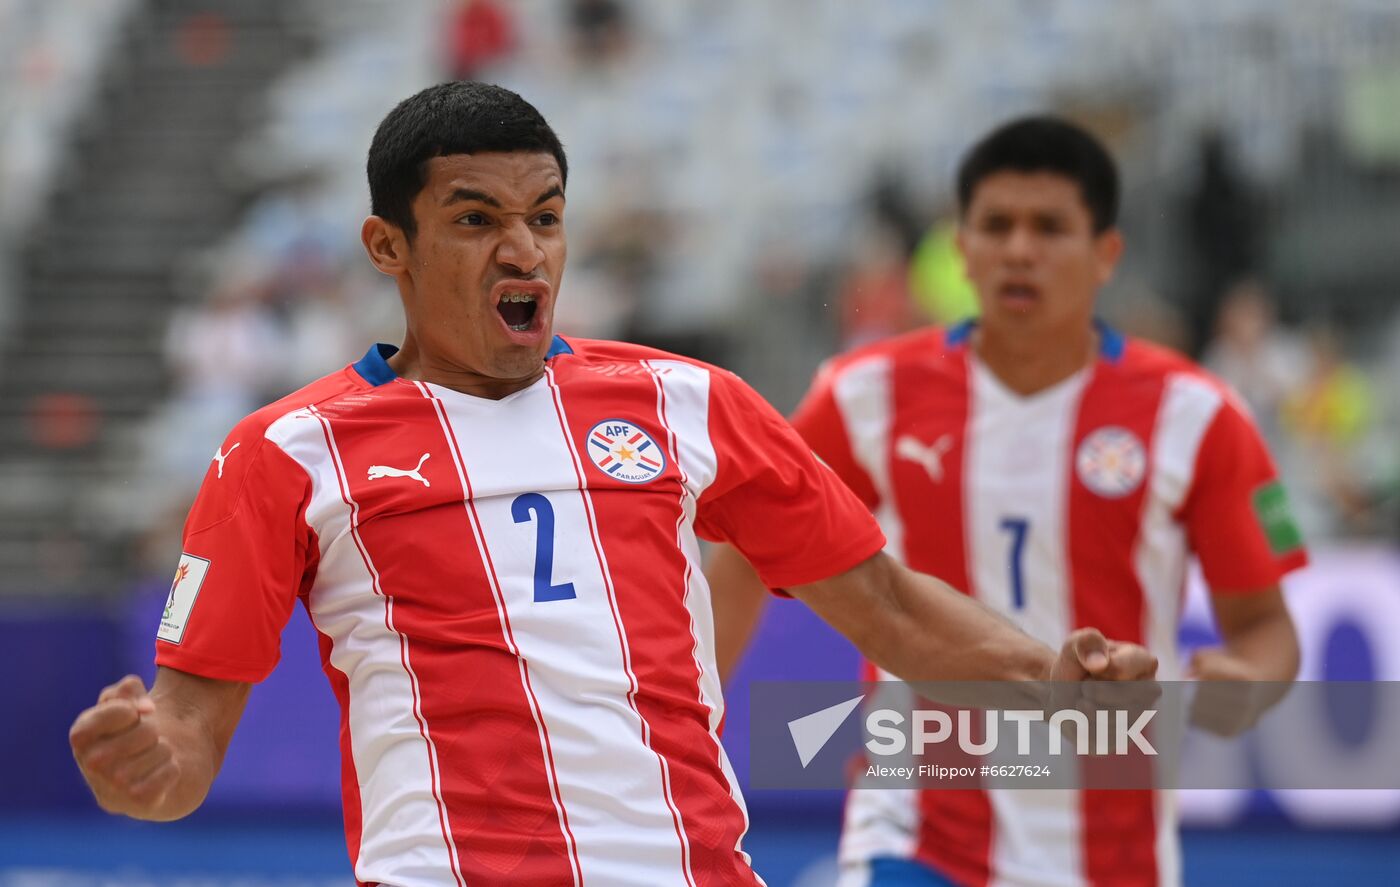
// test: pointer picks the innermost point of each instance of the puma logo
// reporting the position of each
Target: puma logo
(378, 471)
(930, 457)
(220, 456)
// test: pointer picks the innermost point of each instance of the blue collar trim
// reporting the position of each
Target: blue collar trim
(374, 366)
(959, 333)
(558, 347)
(1112, 343)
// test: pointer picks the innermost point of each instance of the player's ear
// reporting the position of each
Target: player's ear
(386, 245)
(1109, 249)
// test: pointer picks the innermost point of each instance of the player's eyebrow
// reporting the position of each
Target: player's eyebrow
(468, 195)
(551, 192)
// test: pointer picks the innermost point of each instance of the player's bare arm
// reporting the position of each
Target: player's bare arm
(738, 598)
(920, 629)
(154, 755)
(1253, 667)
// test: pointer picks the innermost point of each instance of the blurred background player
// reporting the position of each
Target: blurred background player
(1062, 474)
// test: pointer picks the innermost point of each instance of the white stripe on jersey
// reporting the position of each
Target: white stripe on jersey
(683, 405)
(1017, 457)
(393, 735)
(1188, 407)
(697, 592)
(1015, 491)
(864, 394)
(507, 631)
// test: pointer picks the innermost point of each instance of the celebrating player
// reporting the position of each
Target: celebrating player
(1061, 474)
(494, 531)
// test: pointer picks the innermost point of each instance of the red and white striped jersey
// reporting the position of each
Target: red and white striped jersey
(1076, 506)
(510, 604)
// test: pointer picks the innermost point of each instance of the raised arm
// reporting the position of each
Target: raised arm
(920, 629)
(154, 755)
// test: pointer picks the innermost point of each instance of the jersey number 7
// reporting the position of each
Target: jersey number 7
(1019, 528)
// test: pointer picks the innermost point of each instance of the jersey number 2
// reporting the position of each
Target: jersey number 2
(537, 506)
(1019, 528)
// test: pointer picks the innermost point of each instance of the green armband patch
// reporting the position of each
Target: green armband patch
(1276, 519)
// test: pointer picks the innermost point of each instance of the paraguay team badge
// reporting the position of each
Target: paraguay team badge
(622, 450)
(1111, 461)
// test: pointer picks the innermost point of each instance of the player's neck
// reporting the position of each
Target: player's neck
(411, 363)
(1029, 362)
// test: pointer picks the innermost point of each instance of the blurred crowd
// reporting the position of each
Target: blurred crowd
(761, 184)
(290, 296)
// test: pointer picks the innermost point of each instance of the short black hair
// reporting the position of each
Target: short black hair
(458, 117)
(1051, 144)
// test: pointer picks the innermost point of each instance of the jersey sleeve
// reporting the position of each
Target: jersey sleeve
(818, 420)
(1236, 513)
(789, 515)
(246, 555)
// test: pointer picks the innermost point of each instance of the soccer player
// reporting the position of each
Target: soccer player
(1061, 475)
(494, 531)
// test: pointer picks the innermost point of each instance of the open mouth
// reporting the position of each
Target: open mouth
(1019, 293)
(518, 310)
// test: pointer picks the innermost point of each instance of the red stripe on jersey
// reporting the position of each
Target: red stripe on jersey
(609, 583)
(657, 633)
(933, 403)
(346, 494)
(501, 806)
(1119, 838)
(355, 532)
(571, 844)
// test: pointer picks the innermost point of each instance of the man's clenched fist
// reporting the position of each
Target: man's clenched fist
(127, 763)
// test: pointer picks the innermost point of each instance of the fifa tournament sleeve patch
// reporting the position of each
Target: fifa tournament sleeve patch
(189, 577)
(1276, 518)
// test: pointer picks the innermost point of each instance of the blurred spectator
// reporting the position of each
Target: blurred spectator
(937, 279)
(480, 33)
(1258, 358)
(226, 355)
(1327, 419)
(1333, 406)
(1225, 229)
(600, 31)
(874, 295)
(893, 203)
(320, 332)
(63, 421)
(203, 40)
